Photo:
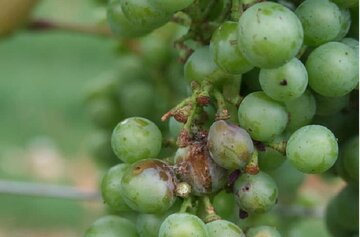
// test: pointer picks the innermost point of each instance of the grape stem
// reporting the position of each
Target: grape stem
(235, 10)
(46, 25)
(280, 147)
(186, 205)
(210, 214)
(46, 191)
(231, 91)
(253, 166)
(222, 112)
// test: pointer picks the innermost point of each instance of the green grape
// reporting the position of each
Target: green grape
(269, 35)
(104, 112)
(284, 83)
(256, 193)
(170, 5)
(201, 66)
(346, 3)
(262, 231)
(119, 24)
(270, 159)
(230, 146)
(333, 69)
(195, 166)
(224, 204)
(350, 158)
(137, 99)
(288, 180)
(223, 228)
(342, 172)
(111, 226)
(175, 127)
(254, 115)
(332, 223)
(309, 227)
(142, 13)
(321, 20)
(353, 43)
(148, 225)
(111, 188)
(136, 139)
(301, 111)
(223, 46)
(312, 149)
(345, 24)
(346, 207)
(330, 105)
(148, 186)
(100, 148)
(183, 225)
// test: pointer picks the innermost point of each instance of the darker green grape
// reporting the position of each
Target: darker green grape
(111, 226)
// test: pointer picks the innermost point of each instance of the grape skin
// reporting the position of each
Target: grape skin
(223, 228)
(269, 35)
(262, 231)
(312, 149)
(254, 115)
(111, 226)
(333, 69)
(284, 83)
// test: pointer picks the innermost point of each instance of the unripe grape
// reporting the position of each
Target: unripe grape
(104, 112)
(346, 3)
(119, 24)
(195, 166)
(269, 35)
(175, 127)
(262, 231)
(223, 46)
(256, 193)
(301, 111)
(136, 139)
(223, 228)
(309, 227)
(111, 226)
(148, 225)
(333, 69)
(111, 188)
(330, 105)
(350, 158)
(262, 117)
(345, 21)
(321, 20)
(183, 225)
(284, 83)
(332, 221)
(148, 186)
(143, 13)
(224, 204)
(271, 159)
(170, 6)
(312, 149)
(201, 66)
(230, 146)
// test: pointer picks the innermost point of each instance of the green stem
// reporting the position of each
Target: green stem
(186, 204)
(222, 112)
(253, 165)
(210, 214)
(231, 90)
(235, 10)
(280, 146)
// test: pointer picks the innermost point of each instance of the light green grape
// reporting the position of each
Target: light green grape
(301, 111)
(321, 20)
(142, 13)
(111, 188)
(255, 193)
(136, 139)
(148, 225)
(312, 149)
(345, 24)
(269, 35)
(262, 231)
(284, 83)
(333, 69)
(262, 117)
(223, 46)
(309, 227)
(330, 105)
(111, 226)
(353, 43)
(201, 66)
(183, 225)
(223, 228)
(170, 5)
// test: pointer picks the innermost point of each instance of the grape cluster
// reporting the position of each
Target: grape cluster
(270, 93)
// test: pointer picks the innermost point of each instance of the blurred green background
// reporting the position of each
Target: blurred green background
(43, 122)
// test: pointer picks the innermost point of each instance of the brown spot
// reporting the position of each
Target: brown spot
(243, 214)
